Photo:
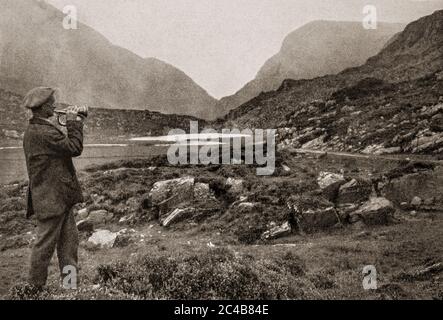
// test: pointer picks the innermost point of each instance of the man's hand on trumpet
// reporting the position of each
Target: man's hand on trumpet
(72, 113)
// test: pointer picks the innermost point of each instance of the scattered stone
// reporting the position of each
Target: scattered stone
(236, 185)
(354, 191)
(98, 217)
(202, 191)
(176, 216)
(436, 124)
(416, 202)
(404, 206)
(82, 214)
(126, 219)
(103, 238)
(125, 237)
(246, 205)
(392, 291)
(210, 244)
(372, 149)
(376, 211)
(317, 143)
(85, 226)
(322, 155)
(345, 209)
(429, 201)
(426, 273)
(97, 199)
(312, 215)
(13, 134)
(133, 204)
(286, 168)
(312, 220)
(392, 150)
(277, 231)
(376, 149)
(330, 183)
(363, 234)
(424, 184)
(426, 143)
(162, 190)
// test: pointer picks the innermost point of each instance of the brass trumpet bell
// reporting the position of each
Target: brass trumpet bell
(61, 115)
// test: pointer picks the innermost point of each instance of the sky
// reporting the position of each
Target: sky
(221, 44)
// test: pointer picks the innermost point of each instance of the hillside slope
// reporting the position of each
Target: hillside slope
(86, 66)
(316, 49)
(400, 89)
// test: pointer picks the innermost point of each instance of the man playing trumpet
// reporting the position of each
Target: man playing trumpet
(53, 185)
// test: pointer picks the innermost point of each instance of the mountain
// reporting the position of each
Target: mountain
(316, 49)
(394, 101)
(36, 50)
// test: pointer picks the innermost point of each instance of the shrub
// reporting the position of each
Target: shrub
(212, 274)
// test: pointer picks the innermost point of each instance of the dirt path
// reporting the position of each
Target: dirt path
(372, 157)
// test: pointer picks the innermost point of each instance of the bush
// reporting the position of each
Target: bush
(212, 274)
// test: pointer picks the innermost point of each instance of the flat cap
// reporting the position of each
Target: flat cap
(37, 96)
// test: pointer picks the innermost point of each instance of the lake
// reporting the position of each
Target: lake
(13, 166)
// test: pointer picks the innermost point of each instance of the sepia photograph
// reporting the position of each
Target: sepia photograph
(194, 152)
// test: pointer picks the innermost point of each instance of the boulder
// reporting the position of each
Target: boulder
(380, 150)
(168, 195)
(433, 110)
(317, 143)
(372, 149)
(277, 231)
(127, 219)
(202, 191)
(426, 143)
(286, 168)
(436, 124)
(126, 237)
(247, 205)
(85, 226)
(82, 214)
(133, 204)
(330, 183)
(354, 191)
(426, 185)
(312, 214)
(236, 185)
(98, 217)
(416, 202)
(176, 216)
(391, 150)
(163, 190)
(103, 238)
(345, 209)
(376, 211)
(13, 134)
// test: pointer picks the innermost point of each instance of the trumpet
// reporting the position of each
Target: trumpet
(61, 115)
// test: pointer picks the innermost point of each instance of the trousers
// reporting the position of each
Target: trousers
(54, 233)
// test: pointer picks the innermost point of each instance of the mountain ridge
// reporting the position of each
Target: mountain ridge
(392, 101)
(100, 73)
(317, 48)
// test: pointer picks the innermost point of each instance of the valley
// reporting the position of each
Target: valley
(358, 182)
